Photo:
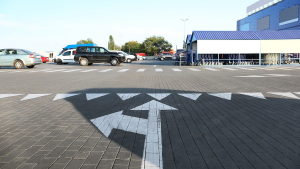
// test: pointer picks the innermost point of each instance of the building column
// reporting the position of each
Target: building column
(218, 58)
(280, 59)
(259, 59)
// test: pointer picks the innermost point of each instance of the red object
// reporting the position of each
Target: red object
(140, 54)
(31, 56)
(168, 52)
(45, 59)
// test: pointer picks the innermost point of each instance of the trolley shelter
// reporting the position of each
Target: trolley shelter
(243, 47)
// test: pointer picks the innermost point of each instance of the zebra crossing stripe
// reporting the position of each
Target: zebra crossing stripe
(106, 70)
(228, 68)
(176, 70)
(89, 70)
(212, 69)
(193, 69)
(72, 70)
(123, 70)
(158, 70)
(140, 70)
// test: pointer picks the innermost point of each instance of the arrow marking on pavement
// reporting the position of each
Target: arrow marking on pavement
(151, 127)
(91, 96)
(159, 96)
(63, 96)
(33, 96)
(226, 96)
(193, 96)
(257, 95)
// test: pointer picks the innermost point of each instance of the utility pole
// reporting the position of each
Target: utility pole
(184, 29)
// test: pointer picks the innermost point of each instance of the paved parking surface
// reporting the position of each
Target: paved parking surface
(150, 114)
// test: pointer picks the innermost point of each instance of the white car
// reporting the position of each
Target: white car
(65, 57)
(128, 58)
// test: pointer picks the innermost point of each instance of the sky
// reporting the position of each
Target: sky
(50, 25)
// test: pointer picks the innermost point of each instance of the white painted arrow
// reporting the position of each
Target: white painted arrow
(152, 156)
(151, 127)
(91, 96)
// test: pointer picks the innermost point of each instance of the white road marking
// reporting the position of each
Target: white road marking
(91, 96)
(63, 96)
(154, 65)
(123, 70)
(72, 70)
(125, 96)
(193, 96)
(285, 94)
(297, 93)
(159, 96)
(228, 68)
(57, 70)
(140, 70)
(251, 76)
(33, 96)
(8, 95)
(257, 95)
(176, 70)
(276, 75)
(89, 70)
(226, 96)
(246, 68)
(106, 70)
(158, 70)
(193, 69)
(212, 69)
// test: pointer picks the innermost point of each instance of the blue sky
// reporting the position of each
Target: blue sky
(41, 25)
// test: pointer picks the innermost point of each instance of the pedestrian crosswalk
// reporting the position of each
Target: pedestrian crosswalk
(153, 69)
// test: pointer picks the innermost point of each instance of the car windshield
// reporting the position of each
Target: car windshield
(26, 51)
(107, 49)
(63, 51)
(125, 53)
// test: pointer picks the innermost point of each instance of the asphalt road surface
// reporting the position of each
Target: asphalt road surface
(150, 114)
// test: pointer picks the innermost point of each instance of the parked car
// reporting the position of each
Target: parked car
(128, 58)
(19, 58)
(69, 47)
(164, 56)
(66, 57)
(135, 56)
(45, 59)
(96, 54)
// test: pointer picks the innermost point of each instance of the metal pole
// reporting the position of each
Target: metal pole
(280, 59)
(218, 58)
(259, 59)
(239, 58)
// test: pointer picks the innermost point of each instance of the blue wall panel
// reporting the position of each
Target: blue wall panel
(274, 12)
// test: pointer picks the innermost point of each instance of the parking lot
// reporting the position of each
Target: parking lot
(150, 114)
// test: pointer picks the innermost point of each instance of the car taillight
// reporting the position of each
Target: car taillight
(31, 56)
(74, 52)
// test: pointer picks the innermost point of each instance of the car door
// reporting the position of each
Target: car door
(66, 56)
(8, 58)
(102, 55)
(2, 51)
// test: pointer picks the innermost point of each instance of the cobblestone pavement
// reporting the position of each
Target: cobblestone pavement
(150, 114)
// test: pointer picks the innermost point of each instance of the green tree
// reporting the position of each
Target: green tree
(111, 43)
(134, 47)
(88, 41)
(155, 45)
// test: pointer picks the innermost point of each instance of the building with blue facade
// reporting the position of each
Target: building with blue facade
(275, 15)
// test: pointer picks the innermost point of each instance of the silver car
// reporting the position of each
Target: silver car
(19, 58)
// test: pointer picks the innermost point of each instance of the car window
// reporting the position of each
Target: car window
(82, 49)
(1, 52)
(92, 49)
(100, 50)
(21, 52)
(11, 52)
(68, 53)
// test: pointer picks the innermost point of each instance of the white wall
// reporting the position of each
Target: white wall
(228, 46)
(280, 46)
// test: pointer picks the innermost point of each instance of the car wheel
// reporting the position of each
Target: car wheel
(30, 66)
(59, 62)
(129, 60)
(18, 64)
(84, 62)
(114, 62)
(44, 62)
(90, 64)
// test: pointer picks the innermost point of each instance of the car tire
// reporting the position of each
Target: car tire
(30, 66)
(90, 64)
(84, 61)
(114, 62)
(18, 64)
(59, 62)
(44, 62)
(129, 60)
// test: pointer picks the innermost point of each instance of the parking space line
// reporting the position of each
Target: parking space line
(123, 70)
(159, 70)
(140, 70)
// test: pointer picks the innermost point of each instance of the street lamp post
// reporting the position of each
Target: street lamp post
(184, 28)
